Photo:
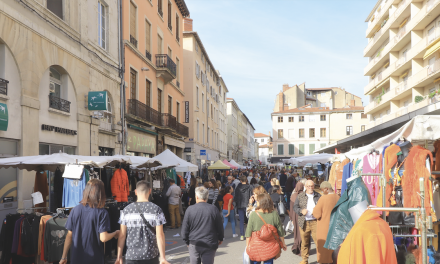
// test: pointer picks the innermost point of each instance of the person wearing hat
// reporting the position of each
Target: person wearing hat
(322, 212)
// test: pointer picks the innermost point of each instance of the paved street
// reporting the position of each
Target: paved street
(231, 251)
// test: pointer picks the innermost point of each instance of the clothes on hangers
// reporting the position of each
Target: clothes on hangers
(54, 237)
(73, 190)
(339, 172)
(120, 186)
(56, 198)
(41, 185)
(346, 173)
(372, 163)
(390, 160)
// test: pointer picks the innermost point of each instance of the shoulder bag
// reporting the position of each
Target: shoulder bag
(265, 244)
(280, 207)
(152, 229)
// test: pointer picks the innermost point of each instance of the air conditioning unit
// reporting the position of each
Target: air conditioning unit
(119, 137)
(52, 87)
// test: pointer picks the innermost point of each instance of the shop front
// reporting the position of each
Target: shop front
(174, 145)
(141, 142)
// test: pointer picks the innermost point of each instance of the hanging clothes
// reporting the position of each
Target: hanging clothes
(41, 186)
(120, 185)
(372, 163)
(6, 236)
(390, 159)
(346, 173)
(54, 237)
(73, 190)
(332, 177)
(437, 157)
(339, 172)
(56, 198)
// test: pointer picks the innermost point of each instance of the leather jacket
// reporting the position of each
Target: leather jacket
(340, 219)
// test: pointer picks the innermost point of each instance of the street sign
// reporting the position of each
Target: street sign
(203, 152)
(187, 150)
(97, 101)
(186, 111)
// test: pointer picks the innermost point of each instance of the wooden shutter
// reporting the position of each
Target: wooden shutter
(132, 84)
(169, 105)
(301, 148)
(311, 148)
(291, 149)
(177, 27)
(147, 36)
(132, 19)
(148, 92)
(159, 100)
(280, 149)
(159, 44)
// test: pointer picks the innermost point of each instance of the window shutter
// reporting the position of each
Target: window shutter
(291, 149)
(280, 150)
(132, 19)
(147, 36)
(311, 148)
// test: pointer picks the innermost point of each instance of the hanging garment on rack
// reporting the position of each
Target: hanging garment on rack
(372, 163)
(54, 237)
(43, 232)
(40, 241)
(106, 177)
(73, 190)
(390, 160)
(346, 173)
(369, 241)
(6, 236)
(339, 172)
(332, 177)
(120, 185)
(437, 157)
(16, 237)
(56, 198)
(42, 186)
(27, 235)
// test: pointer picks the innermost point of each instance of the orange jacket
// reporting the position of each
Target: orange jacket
(370, 241)
(182, 181)
(120, 185)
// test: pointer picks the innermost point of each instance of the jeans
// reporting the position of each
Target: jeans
(270, 261)
(149, 261)
(241, 216)
(174, 214)
(231, 217)
(201, 255)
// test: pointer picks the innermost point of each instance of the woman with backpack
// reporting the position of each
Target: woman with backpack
(277, 197)
(265, 245)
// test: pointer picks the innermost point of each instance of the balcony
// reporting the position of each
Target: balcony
(166, 68)
(103, 125)
(3, 86)
(143, 112)
(182, 130)
(148, 55)
(133, 41)
(169, 122)
(59, 104)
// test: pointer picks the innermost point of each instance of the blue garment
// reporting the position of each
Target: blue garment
(270, 261)
(346, 173)
(231, 217)
(86, 224)
(431, 256)
(267, 186)
(241, 216)
(73, 190)
(383, 158)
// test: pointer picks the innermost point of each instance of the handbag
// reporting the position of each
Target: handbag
(289, 227)
(281, 208)
(150, 227)
(265, 244)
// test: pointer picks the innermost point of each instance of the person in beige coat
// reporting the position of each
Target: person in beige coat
(322, 213)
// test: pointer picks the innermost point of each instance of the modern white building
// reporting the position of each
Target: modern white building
(265, 150)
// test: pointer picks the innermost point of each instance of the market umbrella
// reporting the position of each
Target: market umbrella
(169, 159)
(229, 164)
(233, 163)
(141, 162)
(219, 165)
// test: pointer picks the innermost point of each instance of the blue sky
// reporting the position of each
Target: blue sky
(259, 45)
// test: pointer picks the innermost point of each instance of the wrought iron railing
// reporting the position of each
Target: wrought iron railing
(182, 130)
(59, 104)
(143, 111)
(148, 55)
(178, 38)
(160, 12)
(3, 86)
(170, 26)
(164, 61)
(133, 41)
(169, 121)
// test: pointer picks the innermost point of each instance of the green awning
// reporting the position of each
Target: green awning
(4, 118)
(141, 129)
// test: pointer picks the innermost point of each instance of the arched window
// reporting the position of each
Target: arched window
(55, 82)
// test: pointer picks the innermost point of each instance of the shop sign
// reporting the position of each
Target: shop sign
(203, 152)
(186, 111)
(4, 117)
(187, 150)
(97, 101)
(143, 143)
(59, 130)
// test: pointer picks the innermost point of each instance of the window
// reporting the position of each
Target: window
(177, 72)
(56, 6)
(280, 133)
(349, 116)
(148, 92)
(301, 133)
(159, 44)
(290, 119)
(177, 28)
(159, 100)
(301, 149)
(170, 105)
(212, 112)
(203, 133)
(311, 132)
(101, 25)
(197, 70)
(291, 131)
(323, 145)
(147, 37)
(178, 111)
(55, 82)
(169, 16)
(349, 130)
(291, 149)
(301, 118)
(197, 47)
(362, 128)
(280, 119)
(133, 74)
(203, 102)
(311, 148)
(311, 118)
(323, 105)
(170, 52)
(197, 96)
(323, 132)
(159, 7)
(262, 140)
(133, 10)
(323, 117)
(363, 116)
(281, 149)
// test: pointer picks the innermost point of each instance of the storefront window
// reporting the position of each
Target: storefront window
(47, 149)
(105, 151)
(8, 179)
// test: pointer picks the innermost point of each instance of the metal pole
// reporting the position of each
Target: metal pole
(121, 75)
(423, 220)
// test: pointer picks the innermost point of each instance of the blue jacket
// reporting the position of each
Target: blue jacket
(346, 173)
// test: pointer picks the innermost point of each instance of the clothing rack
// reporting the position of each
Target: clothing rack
(32, 208)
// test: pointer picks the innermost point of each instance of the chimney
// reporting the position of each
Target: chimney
(285, 87)
(281, 102)
(352, 102)
(187, 24)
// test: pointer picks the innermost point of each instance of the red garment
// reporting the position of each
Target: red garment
(390, 161)
(437, 157)
(19, 249)
(42, 240)
(226, 199)
(120, 186)
(182, 182)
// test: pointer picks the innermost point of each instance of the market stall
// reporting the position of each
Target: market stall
(219, 165)
(229, 164)
(235, 164)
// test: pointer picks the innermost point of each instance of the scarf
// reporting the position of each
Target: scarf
(299, 188)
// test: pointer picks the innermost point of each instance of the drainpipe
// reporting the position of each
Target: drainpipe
(121, 75)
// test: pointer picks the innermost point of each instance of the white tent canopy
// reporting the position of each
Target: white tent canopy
(321, 158)
(169, 159)
(235, 164)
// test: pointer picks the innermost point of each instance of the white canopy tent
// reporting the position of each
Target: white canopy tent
(141, 162)
(169, 159)
(321, 158)
(235, 164)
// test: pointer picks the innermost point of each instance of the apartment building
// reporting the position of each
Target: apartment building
(153, 45)
(404, 61)
(223, 129)
(265, 150)
(206, 95)
(330, 114)
(49, 67)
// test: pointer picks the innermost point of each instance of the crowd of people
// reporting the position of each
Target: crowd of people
(262, 199)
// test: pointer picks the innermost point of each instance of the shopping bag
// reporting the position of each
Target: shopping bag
(289, 227)
(246, 259)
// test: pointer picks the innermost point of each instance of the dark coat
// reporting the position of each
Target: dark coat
(243, 193)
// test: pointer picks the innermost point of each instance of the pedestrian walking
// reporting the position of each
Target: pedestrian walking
(304, 205)
(228, 209)
(273, 182)
(254, 183)
(283, 180)
(174, 193)
(88, 227)
(265, 214)
(142, 227)
(242, 195)
(253, 200)
(277, 198)
(322, 213)
(202, 229)
(296, 247)
(192, 192)
(290, 186)
(213, 192)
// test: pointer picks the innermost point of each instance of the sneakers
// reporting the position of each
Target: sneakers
(235, 235)
(242, 238)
